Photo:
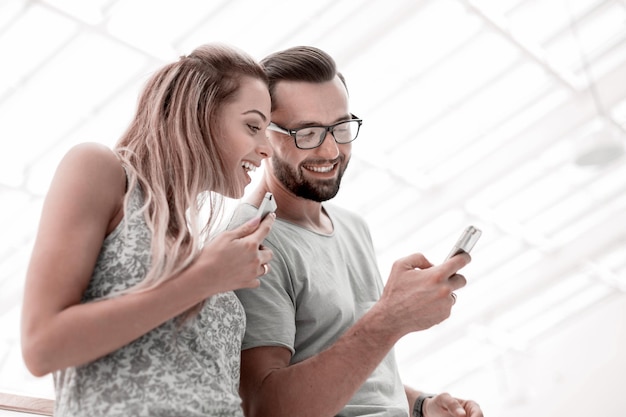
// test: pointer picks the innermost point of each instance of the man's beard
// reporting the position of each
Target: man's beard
(318, 190)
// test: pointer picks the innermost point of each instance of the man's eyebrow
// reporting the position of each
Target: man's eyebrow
(344, 118)
(263, 116)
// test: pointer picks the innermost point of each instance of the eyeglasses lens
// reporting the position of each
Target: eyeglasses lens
(312, 137)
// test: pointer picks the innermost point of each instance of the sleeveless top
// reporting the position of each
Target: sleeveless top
(177, 370)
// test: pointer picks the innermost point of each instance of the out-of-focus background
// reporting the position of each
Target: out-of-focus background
(506, 114)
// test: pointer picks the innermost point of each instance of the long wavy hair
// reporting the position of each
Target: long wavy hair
(172, 151)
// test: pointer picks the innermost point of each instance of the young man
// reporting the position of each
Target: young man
(321, 328)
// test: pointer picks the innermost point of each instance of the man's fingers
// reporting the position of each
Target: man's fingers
(446, 402)
(457, 281)
(450, 267)
(416, 260)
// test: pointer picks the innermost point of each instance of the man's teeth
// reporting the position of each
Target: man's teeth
(248, 166)
(320, 169)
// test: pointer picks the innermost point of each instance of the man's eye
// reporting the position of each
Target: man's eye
(306, 133)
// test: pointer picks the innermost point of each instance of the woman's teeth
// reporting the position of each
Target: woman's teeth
(248, 166)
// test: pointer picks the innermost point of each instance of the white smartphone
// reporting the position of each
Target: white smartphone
(268, 205)
(466, 241)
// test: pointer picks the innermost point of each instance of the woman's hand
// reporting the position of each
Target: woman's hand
(235, 258)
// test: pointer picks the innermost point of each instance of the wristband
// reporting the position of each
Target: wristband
(419, 403)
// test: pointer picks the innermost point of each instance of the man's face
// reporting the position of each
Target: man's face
(314, 174)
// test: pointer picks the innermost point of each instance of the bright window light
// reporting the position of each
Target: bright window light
(90, 12)
(19, 43)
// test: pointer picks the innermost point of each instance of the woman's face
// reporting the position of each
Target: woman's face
(242, 133)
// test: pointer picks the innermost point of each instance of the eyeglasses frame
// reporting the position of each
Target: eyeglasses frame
(292, 132)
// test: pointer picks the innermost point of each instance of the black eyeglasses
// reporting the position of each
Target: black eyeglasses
(313, 136)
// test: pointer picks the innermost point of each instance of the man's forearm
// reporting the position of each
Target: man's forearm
(323, 384)
(411, 395)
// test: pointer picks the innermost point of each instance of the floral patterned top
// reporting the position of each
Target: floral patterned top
(174, 370)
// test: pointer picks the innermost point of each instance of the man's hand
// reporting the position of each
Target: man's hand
(444, 405)
(418, 295)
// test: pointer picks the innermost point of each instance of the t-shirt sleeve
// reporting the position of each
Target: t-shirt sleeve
(270, 310)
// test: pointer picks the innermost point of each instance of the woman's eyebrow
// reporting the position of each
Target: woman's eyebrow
(263, 116)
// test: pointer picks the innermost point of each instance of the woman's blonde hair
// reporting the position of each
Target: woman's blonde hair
(172, 151)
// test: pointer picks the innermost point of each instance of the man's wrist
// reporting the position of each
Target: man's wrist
(419, 404)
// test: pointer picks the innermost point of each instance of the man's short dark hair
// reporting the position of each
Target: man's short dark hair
(300, 63)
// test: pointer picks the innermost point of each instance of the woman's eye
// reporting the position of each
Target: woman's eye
(255, 129)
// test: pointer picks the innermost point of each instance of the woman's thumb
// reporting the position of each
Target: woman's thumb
(248, 227)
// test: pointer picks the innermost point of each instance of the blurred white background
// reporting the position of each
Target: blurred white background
(506, 114)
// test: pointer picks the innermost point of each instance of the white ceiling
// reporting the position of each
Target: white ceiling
(475, 112)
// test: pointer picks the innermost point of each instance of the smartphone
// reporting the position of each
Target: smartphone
(466, 241)
(268, 205)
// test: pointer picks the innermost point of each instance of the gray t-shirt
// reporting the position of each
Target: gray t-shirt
(319, 286)
(172, 371)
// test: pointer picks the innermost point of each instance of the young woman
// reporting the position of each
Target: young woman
(128, 300)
